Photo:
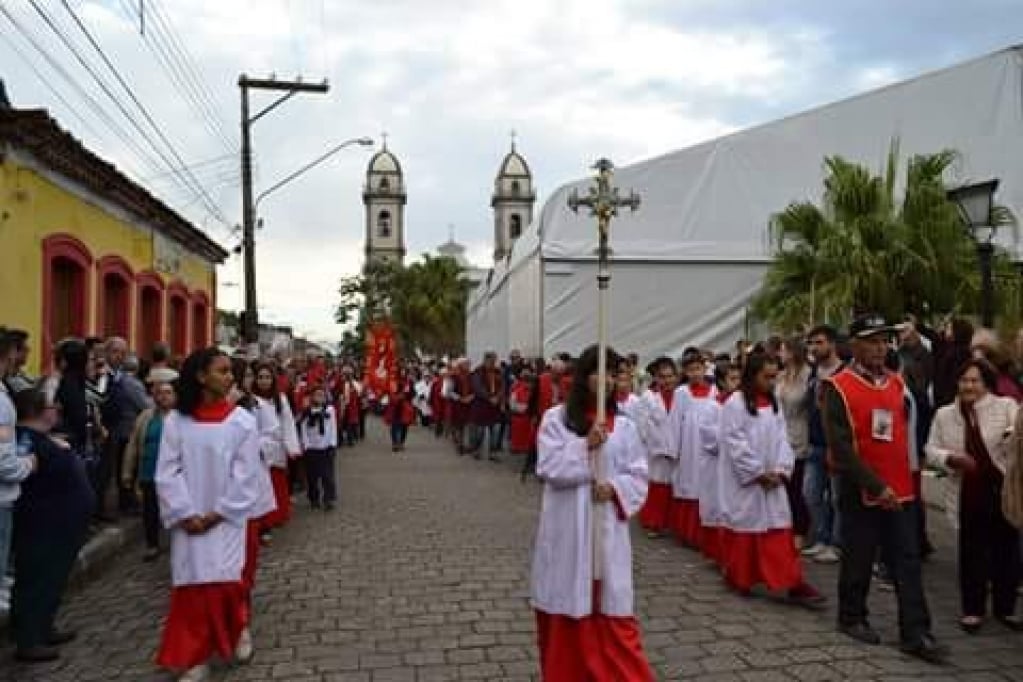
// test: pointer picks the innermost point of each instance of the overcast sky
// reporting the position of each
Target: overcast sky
(448, 80)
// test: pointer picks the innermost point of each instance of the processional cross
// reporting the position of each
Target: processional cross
(603, 201)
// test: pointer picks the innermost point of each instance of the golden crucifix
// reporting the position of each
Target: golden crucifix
(603, 201)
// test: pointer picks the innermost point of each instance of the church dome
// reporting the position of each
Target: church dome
(514, 166)
(384, 162)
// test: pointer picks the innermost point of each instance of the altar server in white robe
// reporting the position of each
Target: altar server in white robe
(755, 459)
(628, 403)
(586, 628)
(209, 481)
(712, 530)
(661, 429)
(697, 446)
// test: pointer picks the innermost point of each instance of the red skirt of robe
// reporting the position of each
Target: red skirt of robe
(203, 621)
(653, 516)
(766, 558)
(523, 433)
(595, 648)
(684, 518)
(282, 495)
(712, 542)
(249, 568)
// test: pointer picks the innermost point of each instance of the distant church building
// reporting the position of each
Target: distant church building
(384, 197)
(512, 202)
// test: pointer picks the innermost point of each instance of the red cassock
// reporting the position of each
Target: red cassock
(398, 406)
(595, 648)
(459, 409)
(684, 519)
(437, 403)
(522, 426)
(766, 558)
(349, 395)
(204, 620)
(282, 496)
(655, 514)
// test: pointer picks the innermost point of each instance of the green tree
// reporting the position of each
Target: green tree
(865, 248)
(425, 302)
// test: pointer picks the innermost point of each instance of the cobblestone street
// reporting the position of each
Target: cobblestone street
(421, 574)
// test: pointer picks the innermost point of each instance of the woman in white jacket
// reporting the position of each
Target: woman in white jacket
(970, 439)
(586, 628)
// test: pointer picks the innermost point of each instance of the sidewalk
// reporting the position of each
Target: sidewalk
(99, 552)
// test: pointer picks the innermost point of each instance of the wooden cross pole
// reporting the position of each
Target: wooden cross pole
(603, 202)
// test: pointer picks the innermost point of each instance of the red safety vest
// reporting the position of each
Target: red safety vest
(877, 414)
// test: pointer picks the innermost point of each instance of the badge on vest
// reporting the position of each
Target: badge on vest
(881, 425)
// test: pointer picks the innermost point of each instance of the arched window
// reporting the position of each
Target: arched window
(516, 188)
(113, 308)
(149, 318)
(384, 184)
(200, 320)
(66, 282)
(384, 224)
(177, 318)
(515, 226)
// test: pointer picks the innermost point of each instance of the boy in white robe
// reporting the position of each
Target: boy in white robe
(586, 627)
(661, 430)
(209, 481)
(755, 458)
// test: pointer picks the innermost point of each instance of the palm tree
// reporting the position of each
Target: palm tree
(864, 250)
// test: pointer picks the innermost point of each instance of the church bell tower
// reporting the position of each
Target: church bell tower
(512, 202)
(384, 198)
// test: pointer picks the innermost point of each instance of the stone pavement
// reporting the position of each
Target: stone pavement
(421, 574)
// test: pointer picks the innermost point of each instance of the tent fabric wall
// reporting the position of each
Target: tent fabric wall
(654, 308)
(687, 262)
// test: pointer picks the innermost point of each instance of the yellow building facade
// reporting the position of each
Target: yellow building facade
(85, 251)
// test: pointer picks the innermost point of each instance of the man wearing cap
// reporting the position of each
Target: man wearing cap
(866, 422)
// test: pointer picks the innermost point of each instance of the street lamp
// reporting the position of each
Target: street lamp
(975, 203)
(361, 141)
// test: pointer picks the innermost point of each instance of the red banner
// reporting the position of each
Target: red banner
(381, 358)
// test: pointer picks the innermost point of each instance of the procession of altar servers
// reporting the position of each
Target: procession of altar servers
(705, 448)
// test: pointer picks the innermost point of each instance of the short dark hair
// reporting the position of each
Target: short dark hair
(825, 330)
(988, 373)
(19, 337)
(30, 403)
(6, 341)
(161, 352)
(661, 362)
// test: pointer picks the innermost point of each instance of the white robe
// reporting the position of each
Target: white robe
(711, 494)
(280, 437)
(269, 426)
(661, 429)
(699, 432)
(562, 575)
(209, 467)
(751, 446)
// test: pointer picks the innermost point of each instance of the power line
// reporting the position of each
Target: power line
(208, 202)
(126, 138)
(183, 77)
(216, 160)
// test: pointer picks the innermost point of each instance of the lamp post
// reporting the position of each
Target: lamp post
(975, 203)
(361, 141)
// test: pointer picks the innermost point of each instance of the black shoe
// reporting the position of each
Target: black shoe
(58, 637)
(861, 632)
(36, 654)
(329, 506)
(150, 554)
(926, 649)
(314, 505)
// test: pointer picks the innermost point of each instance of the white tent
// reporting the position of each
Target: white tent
(685, 265)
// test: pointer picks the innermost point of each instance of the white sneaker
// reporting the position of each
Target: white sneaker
(828, 555)
(243, 650)
(813, 550)
(199, 673)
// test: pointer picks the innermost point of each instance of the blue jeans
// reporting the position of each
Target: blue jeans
(820, 491)
(399, 432)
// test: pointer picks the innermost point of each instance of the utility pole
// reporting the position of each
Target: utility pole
(290, 88)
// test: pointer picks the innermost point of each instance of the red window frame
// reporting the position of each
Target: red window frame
(65, 246)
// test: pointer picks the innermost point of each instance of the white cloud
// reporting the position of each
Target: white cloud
(447, 79)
